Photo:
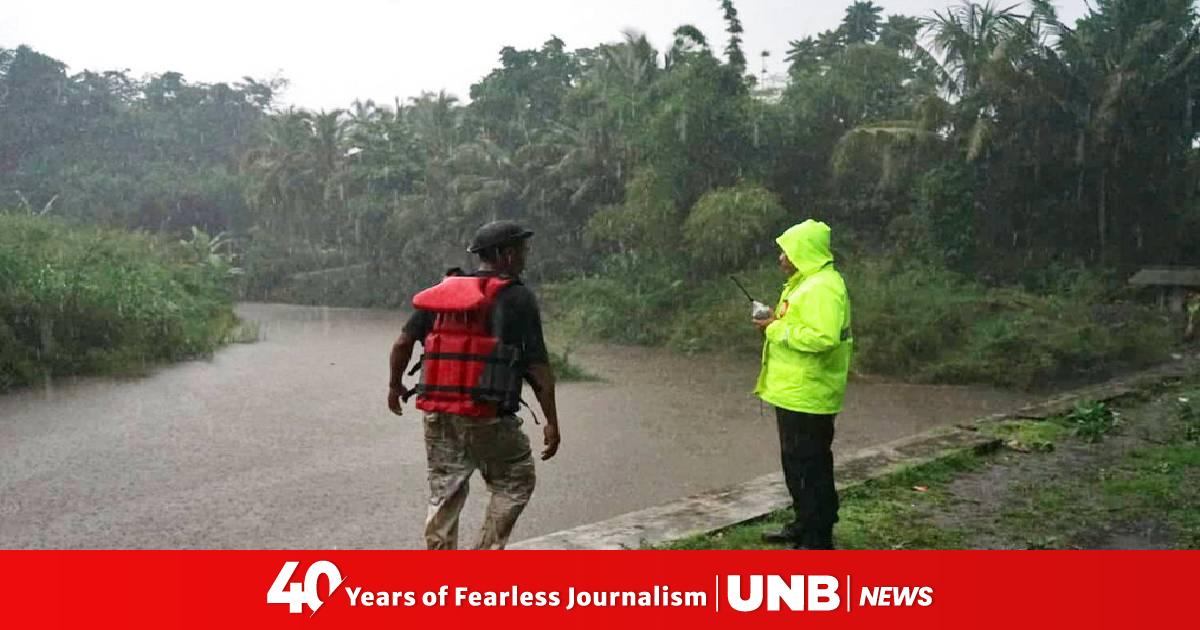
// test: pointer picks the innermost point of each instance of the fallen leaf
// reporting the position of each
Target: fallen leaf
(1017, 446)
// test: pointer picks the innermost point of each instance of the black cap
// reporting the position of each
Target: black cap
(497, 233)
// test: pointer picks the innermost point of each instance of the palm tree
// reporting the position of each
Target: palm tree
(812, 54)
(968, 37)
(802, 56)
(436, 120)
(900, 32)
(327, 131)
(829, 43)
(588, 162)
(283, 185)
(631, 64)
(861, 24)
(363, 114)
(296, 174)
(1134, 64)
(486, 178)
(974, 42)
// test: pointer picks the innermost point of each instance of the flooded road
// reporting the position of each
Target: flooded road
(287, 443)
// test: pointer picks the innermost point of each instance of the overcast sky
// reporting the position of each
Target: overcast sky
(333, 52)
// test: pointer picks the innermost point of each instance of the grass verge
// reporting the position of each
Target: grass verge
(1098, 477)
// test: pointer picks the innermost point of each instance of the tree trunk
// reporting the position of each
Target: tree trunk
(1080, 242)
(1102, 213)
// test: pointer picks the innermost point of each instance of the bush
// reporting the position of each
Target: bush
(623, 305)
(946, 207)
(914, 321)
(1092, 420)
(658, 301)
(731, 226)
(84, 300)
(646, 221)
(924, 321)
(270, 262)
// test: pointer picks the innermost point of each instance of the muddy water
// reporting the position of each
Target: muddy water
(287, 442)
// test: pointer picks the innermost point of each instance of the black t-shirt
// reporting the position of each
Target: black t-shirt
(515, 316)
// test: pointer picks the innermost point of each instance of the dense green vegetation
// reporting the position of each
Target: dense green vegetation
(991, 174)
(91, 300)
(918, 321)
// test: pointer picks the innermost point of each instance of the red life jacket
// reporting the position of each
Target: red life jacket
(466, 370)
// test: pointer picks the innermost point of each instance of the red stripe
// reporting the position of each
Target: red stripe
(199, 589)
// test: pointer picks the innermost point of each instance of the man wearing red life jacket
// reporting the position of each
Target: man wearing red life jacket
(481, 334)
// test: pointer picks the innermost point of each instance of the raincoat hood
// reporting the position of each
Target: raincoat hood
(808, 346)
(807, 246)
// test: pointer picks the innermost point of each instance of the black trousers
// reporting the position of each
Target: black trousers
(805, 442)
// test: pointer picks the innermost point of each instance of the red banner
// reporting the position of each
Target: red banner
(369, 589)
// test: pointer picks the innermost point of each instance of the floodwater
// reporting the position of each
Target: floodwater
(287, 443)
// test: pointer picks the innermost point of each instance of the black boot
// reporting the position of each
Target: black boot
(819, 538)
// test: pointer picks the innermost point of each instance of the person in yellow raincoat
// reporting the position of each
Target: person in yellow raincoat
(805, 363)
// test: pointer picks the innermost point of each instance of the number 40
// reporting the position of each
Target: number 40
(296, 595)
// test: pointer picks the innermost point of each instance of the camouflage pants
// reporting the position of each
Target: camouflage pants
(455, 446)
